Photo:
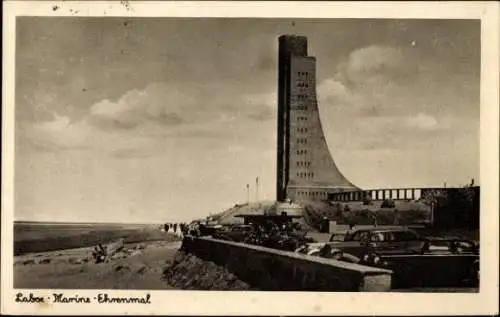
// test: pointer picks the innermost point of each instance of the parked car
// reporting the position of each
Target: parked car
(366, 245)
(326, 250)
(208, 230)
(454, 246)
(395, 249)
(237, 233)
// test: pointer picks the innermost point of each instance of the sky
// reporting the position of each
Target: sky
(168, 119)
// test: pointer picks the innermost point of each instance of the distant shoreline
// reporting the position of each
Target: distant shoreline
(56, 223)
(32, 237)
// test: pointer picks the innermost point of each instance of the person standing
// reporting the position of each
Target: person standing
(350, 231)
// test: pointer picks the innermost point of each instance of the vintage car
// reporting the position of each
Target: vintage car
(383, 241)
(367, 244)
(452, 245)
(237, 233)
(208, 229)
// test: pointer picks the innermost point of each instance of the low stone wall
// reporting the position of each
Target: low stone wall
(432, 270)
(269, 269)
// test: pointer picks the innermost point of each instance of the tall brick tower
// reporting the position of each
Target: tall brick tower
(305, 167)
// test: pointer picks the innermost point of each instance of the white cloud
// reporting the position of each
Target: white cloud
(423, 121)
(147, 120)
(374, 58)
(59, 133)
(373, 81)
(374, 100)
(332, 88)
(157, 103)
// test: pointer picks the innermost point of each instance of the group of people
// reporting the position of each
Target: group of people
(286, 236)
(177, 228)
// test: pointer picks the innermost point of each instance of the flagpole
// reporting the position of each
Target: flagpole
(248, 193)
(257, 188)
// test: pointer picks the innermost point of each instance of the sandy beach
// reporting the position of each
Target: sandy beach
(138, 266)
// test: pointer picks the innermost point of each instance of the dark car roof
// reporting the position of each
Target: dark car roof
(386, 230)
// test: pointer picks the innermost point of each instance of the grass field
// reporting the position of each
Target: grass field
(32, 237)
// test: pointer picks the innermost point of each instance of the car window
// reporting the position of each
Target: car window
(404, 235)
(337, 237)
(355, 236)
(377, 237)
(390, 236)
(360, 236)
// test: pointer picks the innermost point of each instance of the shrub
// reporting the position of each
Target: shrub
(359, 217)
(388, 203)
(367, 200)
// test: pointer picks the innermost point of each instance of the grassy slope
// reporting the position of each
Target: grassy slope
(228, 216)
(317, 210)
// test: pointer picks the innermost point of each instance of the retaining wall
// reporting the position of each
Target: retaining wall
(432, 270)
(270, 269)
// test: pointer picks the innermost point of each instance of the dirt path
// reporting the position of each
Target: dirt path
(65, 269)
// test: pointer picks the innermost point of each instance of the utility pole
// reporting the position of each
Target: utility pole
(248, 193)
(257, 188)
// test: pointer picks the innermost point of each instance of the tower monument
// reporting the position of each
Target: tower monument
(305, 167)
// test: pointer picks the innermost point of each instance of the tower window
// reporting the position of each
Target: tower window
(301, 141)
